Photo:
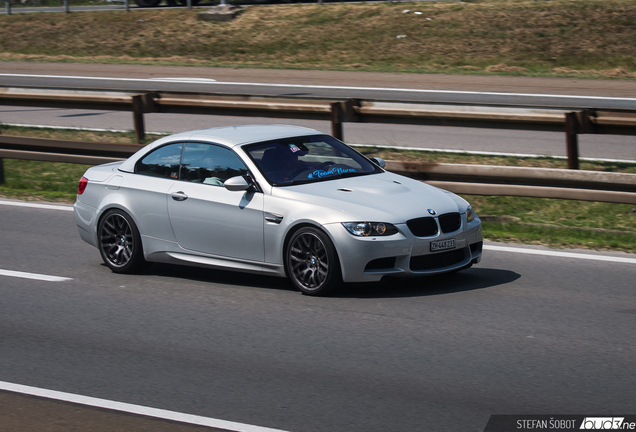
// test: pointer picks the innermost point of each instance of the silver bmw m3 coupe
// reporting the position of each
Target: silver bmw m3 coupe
(271, 199)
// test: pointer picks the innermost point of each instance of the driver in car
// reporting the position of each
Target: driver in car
(286, 166)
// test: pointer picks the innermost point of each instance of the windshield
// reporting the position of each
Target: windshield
(308, 159)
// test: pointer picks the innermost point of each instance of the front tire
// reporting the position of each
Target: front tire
(312, 262)
(120, 243)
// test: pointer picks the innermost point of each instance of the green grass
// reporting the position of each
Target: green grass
(558, 223)
(465, 158)
(576, 38)
(551, 222)
(34, 180)
(557, 237)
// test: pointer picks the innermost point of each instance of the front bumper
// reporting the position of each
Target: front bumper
(368, 259)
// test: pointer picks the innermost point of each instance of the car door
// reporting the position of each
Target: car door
(146, 189)
(205, 216)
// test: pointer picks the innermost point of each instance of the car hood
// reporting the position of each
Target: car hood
(382, 197)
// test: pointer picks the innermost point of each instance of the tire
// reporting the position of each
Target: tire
(147, 3)
(120, 243)
(312, 263)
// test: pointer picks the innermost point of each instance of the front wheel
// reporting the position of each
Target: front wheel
(120, 242)
(312, 262)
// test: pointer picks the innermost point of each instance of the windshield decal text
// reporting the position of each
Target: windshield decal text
(321, 173)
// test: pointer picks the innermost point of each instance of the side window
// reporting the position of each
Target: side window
(210, 164)
(163, 162)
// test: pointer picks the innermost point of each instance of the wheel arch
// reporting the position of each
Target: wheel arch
(305, 224)
(135, 260)
(117, 206)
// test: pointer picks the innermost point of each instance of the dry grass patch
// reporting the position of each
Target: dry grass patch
(571, 37)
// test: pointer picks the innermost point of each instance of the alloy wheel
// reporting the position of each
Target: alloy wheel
(116, 240)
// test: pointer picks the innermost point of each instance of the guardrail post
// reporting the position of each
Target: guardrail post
(585, 123)
(572, 139)
(336, 120)
(8, 6)
(138, 118)
(66, 9)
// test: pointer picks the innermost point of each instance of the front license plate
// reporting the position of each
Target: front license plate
(442, 244)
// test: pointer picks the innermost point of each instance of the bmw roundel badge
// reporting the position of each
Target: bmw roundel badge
(432, 212)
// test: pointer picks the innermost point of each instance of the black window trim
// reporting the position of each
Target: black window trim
(250, 176)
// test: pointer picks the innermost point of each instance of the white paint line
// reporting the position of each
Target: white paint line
(34, 276)
(560, 254)
(36, 205)
(133, 409)
(181, 80)
(308, 86)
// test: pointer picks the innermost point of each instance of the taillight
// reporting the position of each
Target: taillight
(82, 185)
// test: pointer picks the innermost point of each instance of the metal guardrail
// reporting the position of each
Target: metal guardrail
(338, 112)
(458, 178)
(469, 179)
(54, 150)
(523, 181)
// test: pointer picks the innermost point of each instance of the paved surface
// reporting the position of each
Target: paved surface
(557, 86)
(516, 334)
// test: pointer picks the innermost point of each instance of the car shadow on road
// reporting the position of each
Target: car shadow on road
(467, 280)
(216, 276)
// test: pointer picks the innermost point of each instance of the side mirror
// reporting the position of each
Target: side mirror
(378, 161)
(236, 184)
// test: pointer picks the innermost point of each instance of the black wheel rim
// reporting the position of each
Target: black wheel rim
(116, 240)
(309, 261)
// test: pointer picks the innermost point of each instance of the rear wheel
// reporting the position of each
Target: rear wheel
(120, 242)
(312, 263)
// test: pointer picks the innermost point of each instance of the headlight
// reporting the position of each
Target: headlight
(366, 229)
(470, 213)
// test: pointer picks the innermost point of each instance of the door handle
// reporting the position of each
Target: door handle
(179, 196)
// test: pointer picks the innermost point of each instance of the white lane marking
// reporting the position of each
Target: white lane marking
(35, 205)
(561, 254)
(193, 80)
(34, 276)
(133, 409)
(309, 86)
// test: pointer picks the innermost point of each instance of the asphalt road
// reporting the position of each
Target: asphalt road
(422, 88)
(434, 88)
(517, 334)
